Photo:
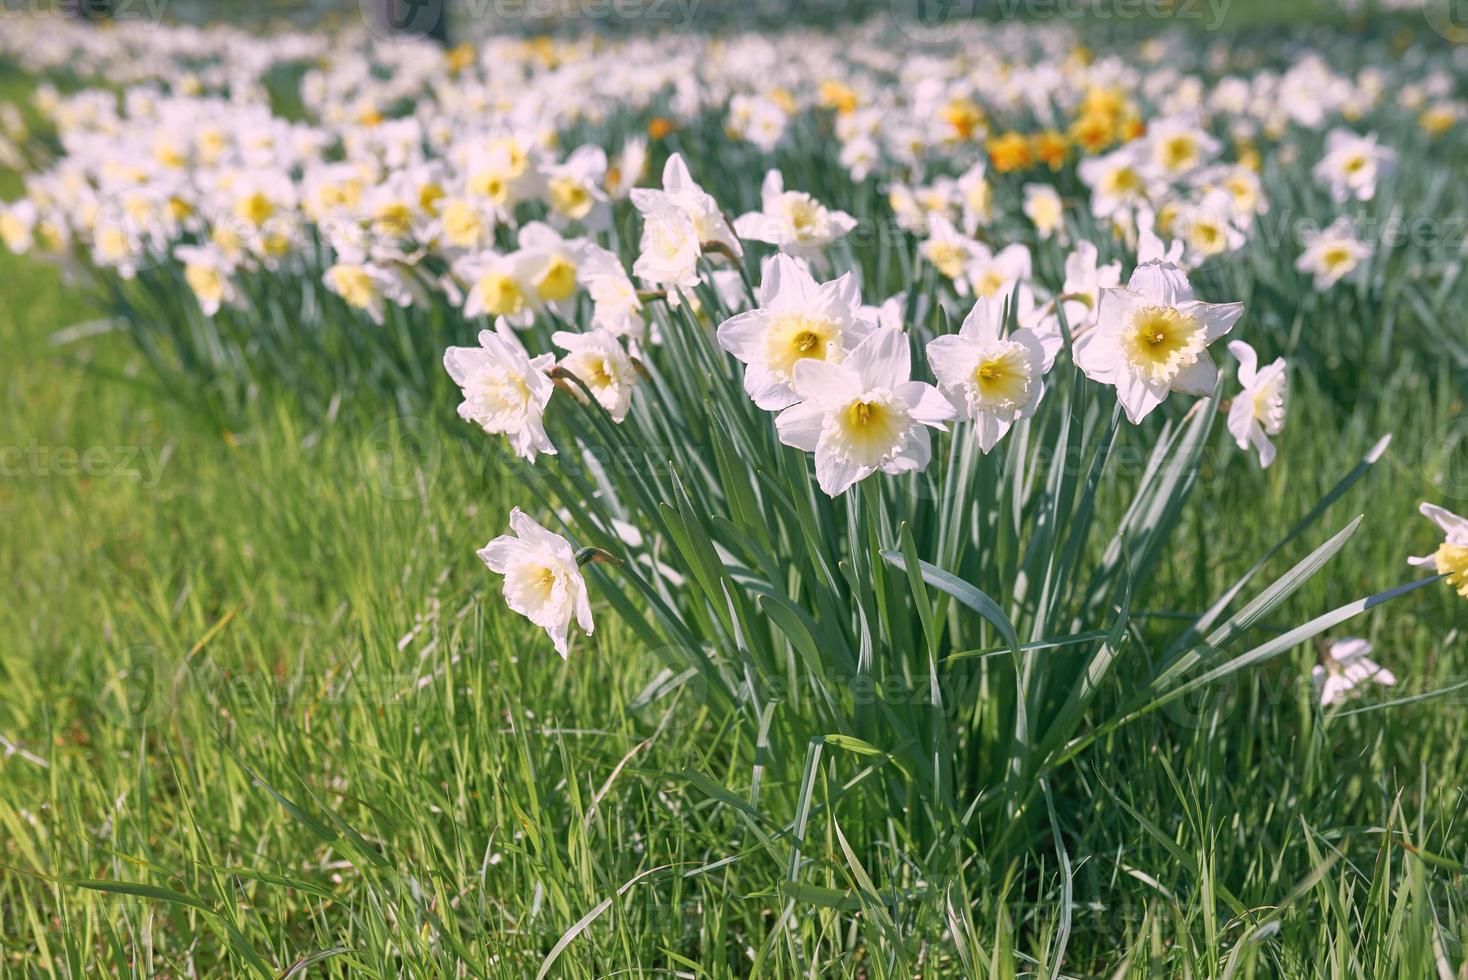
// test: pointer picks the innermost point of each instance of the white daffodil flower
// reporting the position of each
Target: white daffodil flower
(573, 189)
(1353, 165)
(1080, 297)
(1150, 246)
(1152, 338)
(1209, 227)
(860, 156)
(542, 580)
(864, 414)
(949, 251)
(1258, 411)
(1347, 668)
(615, 304)
(1117, 182)
(792, 221)
(708, 221)
(1451, 558)
(598, 360)
(670, 249)
(992, 274)
(992, 381)
(495, 285)
(797, 320)
(975, 196)
(462, 223)
(505, 390)
(548, 265)
(210, 275)
(1178, 146)
(1333, 253)
(1045, 210)
(759, 120)
(911, 214)
(627, 168)
(18, 224)
(892, 311)
(366, 285)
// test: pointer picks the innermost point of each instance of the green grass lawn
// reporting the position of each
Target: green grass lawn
(263, 708)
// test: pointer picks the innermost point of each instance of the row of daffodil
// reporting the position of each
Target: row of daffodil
(426, 177)
(840, 374)
(223, 185)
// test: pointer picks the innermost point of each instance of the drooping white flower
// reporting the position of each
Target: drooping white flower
(367, 285)
(1258, 411)
(670, 249)
(708, 221)
(615, 304)
(598, 360)
(975, 196)
(1451, 558)
(792, 221)
(505, 390)
(797, 320)
(864, 414)
(1353, 165)
(1333, 253)
(1348, 667)
(1152, 338)
(1084, 280)
(627, 168)
(542, 580)
(991, 380)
